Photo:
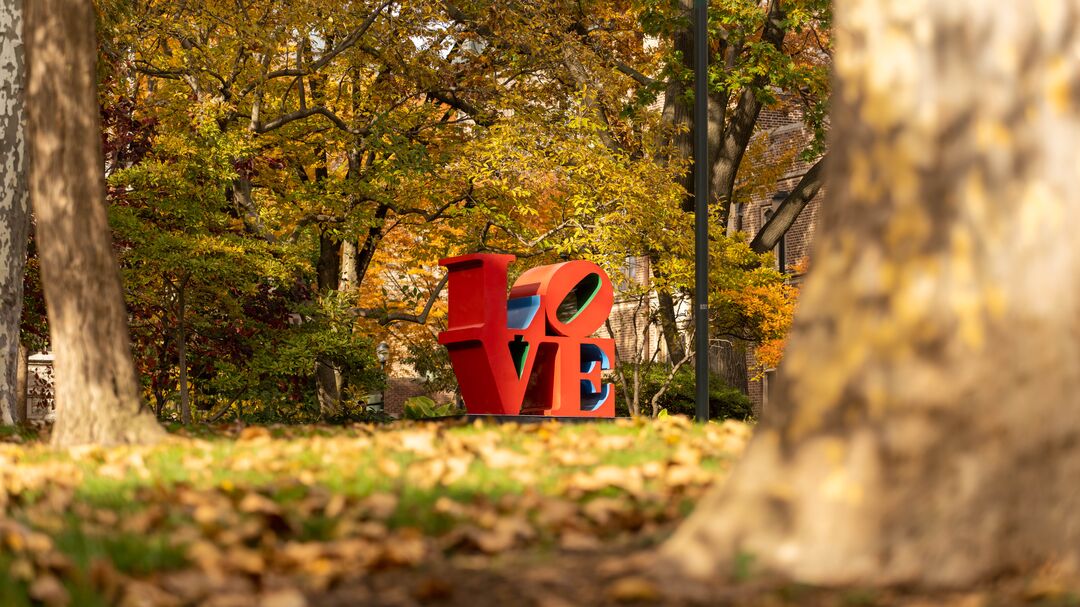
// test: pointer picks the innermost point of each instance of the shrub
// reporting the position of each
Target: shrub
(422, 407)
(725, 402)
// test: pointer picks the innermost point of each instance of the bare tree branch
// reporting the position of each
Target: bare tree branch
(642, 79)
(386, 318)
(265, 127)
(664, 385)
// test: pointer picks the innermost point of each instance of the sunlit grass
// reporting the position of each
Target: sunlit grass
(436, 478)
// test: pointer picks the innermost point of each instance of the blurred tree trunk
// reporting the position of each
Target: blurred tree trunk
(97, 392)
(14, 204)
(926, 430)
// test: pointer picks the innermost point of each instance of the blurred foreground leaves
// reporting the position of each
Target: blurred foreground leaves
(275, 516)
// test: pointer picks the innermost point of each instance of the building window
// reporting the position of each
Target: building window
(634, 272)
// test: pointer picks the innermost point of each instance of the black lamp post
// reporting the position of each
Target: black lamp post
(701, 208)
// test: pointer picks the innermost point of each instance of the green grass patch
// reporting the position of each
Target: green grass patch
(129, 553)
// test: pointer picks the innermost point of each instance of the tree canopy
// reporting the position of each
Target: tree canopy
(282, 178)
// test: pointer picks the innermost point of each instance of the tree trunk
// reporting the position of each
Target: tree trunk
(676, 110)
(328, 269)
(348, 265)
(371, 244)
(327, 376)
(674, 339)
(14, 204)
(927, 428)
(22, 384)
(742, 121)
(181, 351)
(97, 392)
(239, 194)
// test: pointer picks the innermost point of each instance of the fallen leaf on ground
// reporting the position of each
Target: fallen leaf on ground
(633, 589)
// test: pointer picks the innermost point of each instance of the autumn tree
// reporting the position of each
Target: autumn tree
(326, 155)
(97, 393)
(305, 137)
(625, 59)
(14, 204)
(760, 52)
(927, 425)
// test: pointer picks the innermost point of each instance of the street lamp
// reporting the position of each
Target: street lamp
(701, 208)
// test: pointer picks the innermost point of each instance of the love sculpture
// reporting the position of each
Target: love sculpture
(531, 354)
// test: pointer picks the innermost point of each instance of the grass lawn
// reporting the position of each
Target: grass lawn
(287, 516)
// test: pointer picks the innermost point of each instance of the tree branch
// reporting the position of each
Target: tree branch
(386, 318)
(655, 402)
(351, 39)
(641, 79)
(265, 127)
(310, 219)
(437, 213)
(788, 211)
(744, 117)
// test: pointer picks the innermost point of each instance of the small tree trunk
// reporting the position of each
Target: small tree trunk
(366, 253)
(327, 377)
(181, 350)
(927, 428)
(239, 193)
(97, 392)
(14, 204)
(348, 265)
(674, 339)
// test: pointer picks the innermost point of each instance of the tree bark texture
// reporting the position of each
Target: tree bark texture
(14, 203)
(926, 430)
(97, 392)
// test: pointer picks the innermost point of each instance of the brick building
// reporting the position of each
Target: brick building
(782, 131)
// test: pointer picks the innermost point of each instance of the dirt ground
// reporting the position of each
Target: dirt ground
(614, 578)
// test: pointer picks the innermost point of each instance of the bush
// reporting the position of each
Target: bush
(423, 407)
(725, 402)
